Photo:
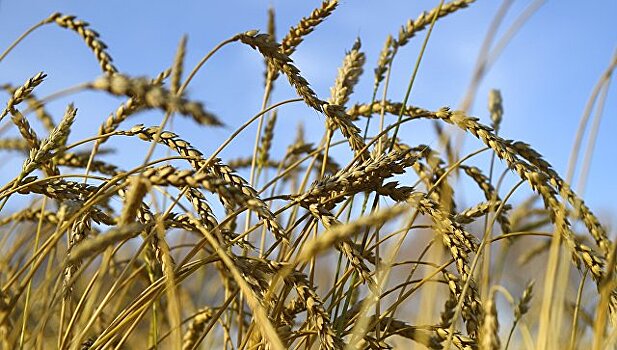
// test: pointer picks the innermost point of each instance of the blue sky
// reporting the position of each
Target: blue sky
(546, 74)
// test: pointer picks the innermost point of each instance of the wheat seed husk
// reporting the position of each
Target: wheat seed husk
(132, 201)
(538, 174)
(348, 75)
(37, 157)
(197, 326)
(490, 194)
(412, 27)
(489, 335)
(336, 114)
(154, 96)
(385, 57)
(178, 66)
(80, 229)
(306, 25)
(495, 107)
(233, 190)
(363, 176)
(90, 37)
(14, 144)
(266, 141)
(22, 92)
(31, 139)
(125, 110)
(37, 106)
(78, 161)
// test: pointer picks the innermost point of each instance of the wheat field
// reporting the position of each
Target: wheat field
(343, 233)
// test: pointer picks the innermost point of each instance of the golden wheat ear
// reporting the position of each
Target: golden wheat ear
(326, 239)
